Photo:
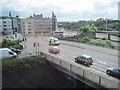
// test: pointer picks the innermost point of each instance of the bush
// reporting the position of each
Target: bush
(21, 64)
(108, 42)
(6, 43)
(100, 42)
(85, 40)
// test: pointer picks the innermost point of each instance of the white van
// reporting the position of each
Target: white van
(7, 53)
(54, 41)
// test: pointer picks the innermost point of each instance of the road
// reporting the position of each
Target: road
(101, 61)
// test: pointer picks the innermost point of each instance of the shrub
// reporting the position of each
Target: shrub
(20, 64)
(108, 42)
(100, 42)
(85, 40)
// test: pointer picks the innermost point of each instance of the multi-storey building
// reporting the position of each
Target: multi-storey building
(5, 25)
(38, 24)
(18, 24)
(8, 24)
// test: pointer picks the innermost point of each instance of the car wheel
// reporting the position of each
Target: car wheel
(75, 60)
(86, 64)
(108, 72)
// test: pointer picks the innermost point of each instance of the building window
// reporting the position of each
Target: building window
(4, 22)
(4, 25)
(5, 29)
(29, 23)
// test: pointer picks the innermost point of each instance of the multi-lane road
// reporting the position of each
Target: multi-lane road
(101, 61)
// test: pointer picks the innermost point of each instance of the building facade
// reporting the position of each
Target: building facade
(8, 24)
(38, 24)
(5, 25)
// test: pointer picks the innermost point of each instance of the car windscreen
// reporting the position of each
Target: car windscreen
(89, 58)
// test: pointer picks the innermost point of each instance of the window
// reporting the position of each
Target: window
(10, 53)
(4, 22)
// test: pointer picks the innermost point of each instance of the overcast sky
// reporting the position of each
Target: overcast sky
(65, 10)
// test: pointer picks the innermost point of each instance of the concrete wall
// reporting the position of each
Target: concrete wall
(93, 76)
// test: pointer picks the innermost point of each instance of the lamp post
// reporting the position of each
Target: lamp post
(106, 20)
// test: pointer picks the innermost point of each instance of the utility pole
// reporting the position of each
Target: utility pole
(106, 20)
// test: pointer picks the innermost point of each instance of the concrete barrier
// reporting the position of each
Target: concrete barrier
(49, 57)
(56, 61)
(65, 65)
(77, 70)
(109, 83)
(91, 76)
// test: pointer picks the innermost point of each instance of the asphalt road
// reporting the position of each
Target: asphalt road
(101, 61)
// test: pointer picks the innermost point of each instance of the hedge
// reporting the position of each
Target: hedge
(98, 42)
(20, 64)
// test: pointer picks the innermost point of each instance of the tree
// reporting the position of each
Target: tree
(93, 28)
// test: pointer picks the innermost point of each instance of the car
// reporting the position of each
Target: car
(85, 59)
(113, 72)
(54, 50)
(18, 51)
(7, 53)
(53, 41)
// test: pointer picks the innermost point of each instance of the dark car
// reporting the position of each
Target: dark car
(16, 50)
(54, 50)
(85, 59)
(113, 72)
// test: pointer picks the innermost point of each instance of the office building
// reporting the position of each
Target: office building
(38, 24)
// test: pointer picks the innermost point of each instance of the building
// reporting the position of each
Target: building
(8, 24)
(18, 24)
(5, 25)
(38, 24)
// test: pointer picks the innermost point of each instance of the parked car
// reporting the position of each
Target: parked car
(54, 50)
(85, 59)
(113, 72)
(7, 53)
(18, 51)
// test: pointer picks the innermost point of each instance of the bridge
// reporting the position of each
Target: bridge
(88, 75)
(104, 28)
(112, 31)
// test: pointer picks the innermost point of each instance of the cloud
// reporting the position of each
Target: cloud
(65, 10)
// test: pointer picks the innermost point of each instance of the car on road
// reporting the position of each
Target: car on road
(54, 50)
(113, 72)
(54, 41)
(7, 53)
(85, 59)
(18, 51)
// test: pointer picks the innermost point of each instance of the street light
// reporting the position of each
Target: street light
(106, 20)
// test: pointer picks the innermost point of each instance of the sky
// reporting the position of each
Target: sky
(65, 10)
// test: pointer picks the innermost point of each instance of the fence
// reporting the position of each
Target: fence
(90, 75)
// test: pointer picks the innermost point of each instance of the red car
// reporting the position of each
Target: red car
(54, 50)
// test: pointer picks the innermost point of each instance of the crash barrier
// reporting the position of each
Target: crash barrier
(92, 76)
